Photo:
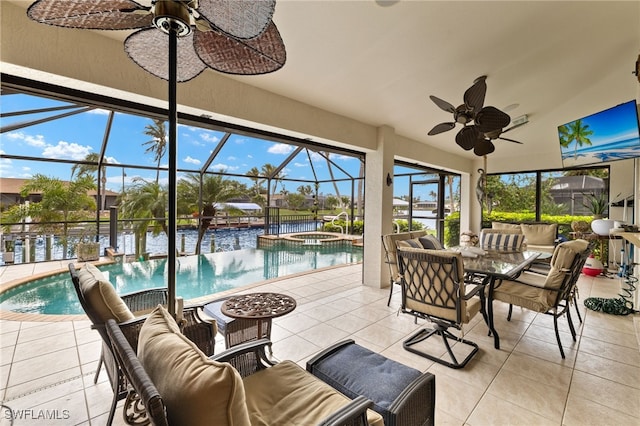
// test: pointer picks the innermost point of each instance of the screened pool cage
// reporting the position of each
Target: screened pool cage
(87, 172)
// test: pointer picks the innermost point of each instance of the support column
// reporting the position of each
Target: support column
(378, 209)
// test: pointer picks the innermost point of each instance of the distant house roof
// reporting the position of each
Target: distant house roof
(578, 183)
(14, 185)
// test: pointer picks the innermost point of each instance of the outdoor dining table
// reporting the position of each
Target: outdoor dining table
(494, 266)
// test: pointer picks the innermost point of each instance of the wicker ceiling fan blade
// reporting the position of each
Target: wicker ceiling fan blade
(441, 128)
(474, 95)
(467, 137)
(260, 55)
(244, 19)
(510, 140)
(483, 147)
(444, 105)
(491, 118)
(91, 14)
(148, 48)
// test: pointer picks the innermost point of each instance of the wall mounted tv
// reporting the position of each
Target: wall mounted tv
(609, 135)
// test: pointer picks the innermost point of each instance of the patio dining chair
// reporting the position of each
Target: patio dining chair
(550, 294)
(433, 289)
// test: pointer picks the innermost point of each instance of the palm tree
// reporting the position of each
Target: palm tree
(158, 143)
(81, 169)
(62, 202)
(215, 190)
(146, 203)
(269, 170)
(333, 180)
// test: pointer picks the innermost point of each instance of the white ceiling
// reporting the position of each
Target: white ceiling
(557, 61)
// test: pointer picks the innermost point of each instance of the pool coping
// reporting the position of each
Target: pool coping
(29, 317)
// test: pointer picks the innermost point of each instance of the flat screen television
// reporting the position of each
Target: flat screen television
(609, 135)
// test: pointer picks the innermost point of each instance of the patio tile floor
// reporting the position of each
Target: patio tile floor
(49, 366)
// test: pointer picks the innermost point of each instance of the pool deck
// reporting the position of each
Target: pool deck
(47, 367)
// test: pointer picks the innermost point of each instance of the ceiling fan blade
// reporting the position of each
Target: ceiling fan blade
(260, 55)
(467, 137)
(474, 96)
(510, 140)
(440, 128)
(490, 118)
(483, 147)
(148, 48)
(444, 105)
(91, 14)
(242, 19)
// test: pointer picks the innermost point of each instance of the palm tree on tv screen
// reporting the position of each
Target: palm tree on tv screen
(575, 132)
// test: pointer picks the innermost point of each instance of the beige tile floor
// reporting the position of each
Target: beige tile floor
(47, 368)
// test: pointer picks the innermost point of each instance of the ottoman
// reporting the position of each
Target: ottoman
(401, 394)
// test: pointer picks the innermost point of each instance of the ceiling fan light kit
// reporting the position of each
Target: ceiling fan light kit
(481, 124)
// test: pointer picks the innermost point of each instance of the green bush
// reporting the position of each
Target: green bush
(358, 227)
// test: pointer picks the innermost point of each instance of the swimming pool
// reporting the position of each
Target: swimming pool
(196, 275)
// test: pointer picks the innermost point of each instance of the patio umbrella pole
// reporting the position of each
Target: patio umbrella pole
(173, 118)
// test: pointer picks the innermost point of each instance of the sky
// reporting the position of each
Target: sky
(76, 136)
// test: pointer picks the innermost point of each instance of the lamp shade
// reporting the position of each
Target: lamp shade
(602, 226)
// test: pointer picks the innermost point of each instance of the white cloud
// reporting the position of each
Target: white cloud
(111, 160)
(99, 111)
(66, 150)
(231, 158)
(305, 164)
(35, 141)
(280, 148)
(221, 167)
(192, 160)
(208, 137)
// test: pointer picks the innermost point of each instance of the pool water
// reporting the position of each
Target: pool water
(196, 275)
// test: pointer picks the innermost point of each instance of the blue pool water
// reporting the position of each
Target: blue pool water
(196, 275)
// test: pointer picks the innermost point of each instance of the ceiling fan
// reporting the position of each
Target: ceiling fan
(176, 40)
(485, 119)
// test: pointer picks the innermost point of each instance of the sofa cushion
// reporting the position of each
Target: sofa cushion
(101, 295)
(413, 243)
(513, 227)
(285, 394)
(431, 243)
(540, 234)
(500, 240)
(195, 389)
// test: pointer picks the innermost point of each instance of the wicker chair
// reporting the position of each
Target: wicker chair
(553, 293)
(201, 332)
(144, 397)
(433, 288)
(241, 385)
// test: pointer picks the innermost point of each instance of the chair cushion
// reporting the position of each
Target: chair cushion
(285, 394)
(530, 297)
(540, 234)
(195, 389)
(101, 295)
(430, 242)
(561, 261)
